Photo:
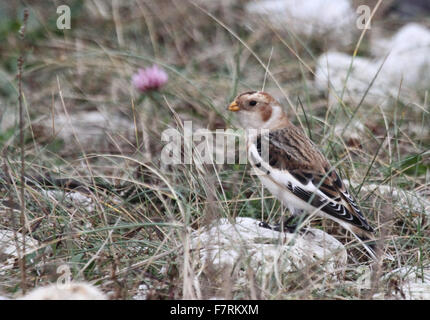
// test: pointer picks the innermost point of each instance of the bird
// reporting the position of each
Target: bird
(293, 169)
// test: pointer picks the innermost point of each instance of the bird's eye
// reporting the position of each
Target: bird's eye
(252, 103)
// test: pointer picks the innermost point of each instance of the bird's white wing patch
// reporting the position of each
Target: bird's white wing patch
(308, 195)
(283, 177)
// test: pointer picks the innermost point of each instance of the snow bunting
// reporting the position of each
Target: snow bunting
(295, 171)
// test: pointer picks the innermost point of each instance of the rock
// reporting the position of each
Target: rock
(332, 21)
(8, 248)
(152, 288)
(407, 200)
(72, 291)
(265, 250)
(8, 117)
(75, 199)
(8, 245)
(336, 75)
(353, 134)
(408, 62)
(142, 292)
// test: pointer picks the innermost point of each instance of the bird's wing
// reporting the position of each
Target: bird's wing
(294, 163)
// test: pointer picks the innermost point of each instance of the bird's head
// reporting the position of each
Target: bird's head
(258, 110)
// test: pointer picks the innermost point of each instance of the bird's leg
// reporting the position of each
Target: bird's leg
(278, 227)
(292, 223)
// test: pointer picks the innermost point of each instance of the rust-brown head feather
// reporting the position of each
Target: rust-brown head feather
(258, 110)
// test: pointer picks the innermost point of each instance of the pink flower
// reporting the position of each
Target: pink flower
(152, 78)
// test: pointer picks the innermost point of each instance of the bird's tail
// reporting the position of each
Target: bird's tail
(369, 242)
(366, 238)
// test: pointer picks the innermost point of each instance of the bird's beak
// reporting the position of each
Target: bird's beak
(233, 106)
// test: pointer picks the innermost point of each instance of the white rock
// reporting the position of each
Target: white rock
(267, 251)
(332, 20)
(355, 130)
(404, 199)
(75, 198)
(407, 66)
(336, 75)
(72, 291)
(149, 288)
(8, 248)
(412, 36)
(142, 292)
(87, 125)
(95, 131)
(408, 62)
(416, 129)
(414, 284)
(8, 117)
